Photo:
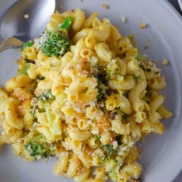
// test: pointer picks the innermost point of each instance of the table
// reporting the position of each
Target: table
(176, 5)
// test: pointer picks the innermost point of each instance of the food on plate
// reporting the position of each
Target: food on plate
(85, 94)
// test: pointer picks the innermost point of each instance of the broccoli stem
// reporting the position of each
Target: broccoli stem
(66, 24)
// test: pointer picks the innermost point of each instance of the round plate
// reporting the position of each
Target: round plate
(161, 155)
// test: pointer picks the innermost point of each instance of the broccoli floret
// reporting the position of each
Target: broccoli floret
(37, 147)
(56, 43)
(37, 150)
(27, 44)
(46, 96)
(108, 152)
(43, 99)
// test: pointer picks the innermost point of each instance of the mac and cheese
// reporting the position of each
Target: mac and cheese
(88, 104)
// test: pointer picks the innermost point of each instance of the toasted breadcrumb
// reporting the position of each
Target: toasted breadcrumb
(123, 19)
(165, 62)
(135, 180)
(60, 7)
(143, 25)
(105, 6)
(26, 16)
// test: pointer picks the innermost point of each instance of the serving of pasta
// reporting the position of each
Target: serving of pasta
(85, 94)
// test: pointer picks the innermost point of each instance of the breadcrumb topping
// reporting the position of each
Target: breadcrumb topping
(123, 19)
(105, 6)
(143, 25)
(26, 16)
(165, 62)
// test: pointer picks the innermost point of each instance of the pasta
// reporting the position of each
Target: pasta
(88, 104)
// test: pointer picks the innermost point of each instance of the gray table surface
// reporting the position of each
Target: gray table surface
(176, 5)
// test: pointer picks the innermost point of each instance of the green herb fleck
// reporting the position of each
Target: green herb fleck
(109, 152)
(136, 77)
(100, 87)
(96, 137)
(123, 118)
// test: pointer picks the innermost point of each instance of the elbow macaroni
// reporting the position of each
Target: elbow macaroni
(103, 101)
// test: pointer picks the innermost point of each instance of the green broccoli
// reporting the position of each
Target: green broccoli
(108, 152)
(97, 137)
(23, 65)
(66, 24)
(56, 43)
(24, 69)
(27, 44)
(46, 96)
(37, 146)
(37, 150)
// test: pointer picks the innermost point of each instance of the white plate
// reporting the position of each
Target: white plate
(162, 155)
